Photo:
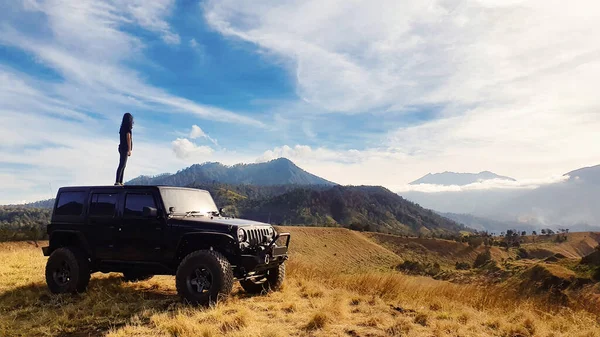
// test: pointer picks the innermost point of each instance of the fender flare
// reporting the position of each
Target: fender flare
(81, 240)
(187, 236)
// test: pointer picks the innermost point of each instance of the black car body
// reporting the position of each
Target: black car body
(150, 230)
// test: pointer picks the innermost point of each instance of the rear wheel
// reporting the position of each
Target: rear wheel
(204, 277)
(271, 281)
(67, 271)
(136, 276)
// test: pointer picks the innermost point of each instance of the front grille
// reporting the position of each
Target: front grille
(255, 236)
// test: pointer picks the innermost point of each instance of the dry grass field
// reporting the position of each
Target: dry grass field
(339, 283)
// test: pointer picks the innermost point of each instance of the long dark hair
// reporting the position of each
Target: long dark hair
(127, 123)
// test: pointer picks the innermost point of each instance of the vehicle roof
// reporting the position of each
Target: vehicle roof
(129, 187)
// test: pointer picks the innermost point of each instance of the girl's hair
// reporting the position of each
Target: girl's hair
(127, 123)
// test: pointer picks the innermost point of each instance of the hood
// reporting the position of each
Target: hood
(218, 221)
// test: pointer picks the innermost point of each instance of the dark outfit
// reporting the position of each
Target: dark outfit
(123, 154)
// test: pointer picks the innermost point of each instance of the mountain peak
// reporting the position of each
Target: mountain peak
(280, 171)
(454, 178)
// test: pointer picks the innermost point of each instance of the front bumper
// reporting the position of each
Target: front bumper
(267, 256)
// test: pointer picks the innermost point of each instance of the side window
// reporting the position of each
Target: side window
(70, 203)
(135, 203)
(103, 204)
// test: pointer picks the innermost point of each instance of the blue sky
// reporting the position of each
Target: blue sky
(374, 92)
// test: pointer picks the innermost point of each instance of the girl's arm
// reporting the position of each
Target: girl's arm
(128, 143)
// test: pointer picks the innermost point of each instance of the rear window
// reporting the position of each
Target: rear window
(135, 203)
(103, 204)
(70, 203)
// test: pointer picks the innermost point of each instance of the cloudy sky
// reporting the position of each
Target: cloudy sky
(359, 92)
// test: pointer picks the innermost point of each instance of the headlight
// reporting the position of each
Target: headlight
(241, 235)
(270, 232)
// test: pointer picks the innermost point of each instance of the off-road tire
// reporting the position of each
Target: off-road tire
(136, 276)
(79, 270)
(272, 281)
(221, 273)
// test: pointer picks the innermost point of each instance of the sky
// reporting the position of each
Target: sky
(358, 92)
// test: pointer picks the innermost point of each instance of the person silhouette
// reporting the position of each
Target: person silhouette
(125, 146)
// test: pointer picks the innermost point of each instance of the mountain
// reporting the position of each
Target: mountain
(276, 172)
(460, 179)
(371, 208)
(590, 175)
(571, 203)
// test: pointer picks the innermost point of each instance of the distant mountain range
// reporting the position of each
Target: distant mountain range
(571, 203)
(460, 179)
(276, 172)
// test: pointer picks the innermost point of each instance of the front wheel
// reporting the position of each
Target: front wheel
(67, 271)
(204, 277)
(271, 281)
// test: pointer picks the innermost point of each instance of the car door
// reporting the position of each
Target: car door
(102, 223)
(139, 238)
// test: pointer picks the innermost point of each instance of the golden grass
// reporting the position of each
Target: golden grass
(354, 297)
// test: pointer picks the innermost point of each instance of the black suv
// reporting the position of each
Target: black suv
(143, 231)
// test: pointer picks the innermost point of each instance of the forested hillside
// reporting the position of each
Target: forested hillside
(23, 223)
(365, 208)
(369, 208)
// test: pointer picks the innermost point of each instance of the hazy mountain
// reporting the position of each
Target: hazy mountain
(460, 179)
(571, 203)
(589, 175)
(276, 172)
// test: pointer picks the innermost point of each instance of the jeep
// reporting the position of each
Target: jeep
(142, 231)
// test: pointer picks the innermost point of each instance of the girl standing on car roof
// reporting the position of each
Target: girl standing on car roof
(125, 146)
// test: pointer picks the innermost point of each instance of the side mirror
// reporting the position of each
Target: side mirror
(150, 212)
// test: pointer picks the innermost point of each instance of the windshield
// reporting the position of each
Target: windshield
(188, 200)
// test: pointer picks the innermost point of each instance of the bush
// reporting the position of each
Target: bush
(462, 266)
(482, 258)
(522, 253)
(418, 268)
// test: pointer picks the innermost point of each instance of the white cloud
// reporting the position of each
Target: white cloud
(150, 15)
(485, 185)
(185, 149)
(512, 83)
(193, 43)
(197, 132)
(97, 71)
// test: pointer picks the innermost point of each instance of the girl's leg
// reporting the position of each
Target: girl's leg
(121, 168)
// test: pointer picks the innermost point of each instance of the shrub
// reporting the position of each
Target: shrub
(418, 268)
(522, 253)
(482, 258)
(462, 266)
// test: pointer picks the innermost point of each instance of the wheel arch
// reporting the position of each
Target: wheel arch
(221, 242)
(69, 238)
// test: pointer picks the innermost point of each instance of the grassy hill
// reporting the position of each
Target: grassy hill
(340, 283)
(427, 250)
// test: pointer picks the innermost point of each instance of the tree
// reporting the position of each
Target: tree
(523, 233)
(534, 233)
